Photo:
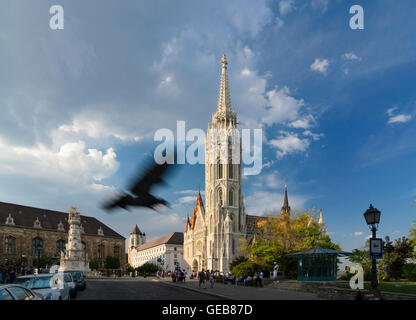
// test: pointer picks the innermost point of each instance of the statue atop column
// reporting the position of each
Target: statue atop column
(74, 257)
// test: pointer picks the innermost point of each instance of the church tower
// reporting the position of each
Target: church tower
(225, 212)
(285, 211)
(137, 238)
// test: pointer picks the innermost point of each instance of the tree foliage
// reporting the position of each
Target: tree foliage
(395, 257)
(412, 233)
(111, 262)
(94, 264)
(147, 268)
(279, 235)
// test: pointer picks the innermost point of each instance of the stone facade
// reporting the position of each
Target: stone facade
(29, 226)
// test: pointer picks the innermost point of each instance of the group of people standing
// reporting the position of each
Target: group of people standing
(8, 275)
(204, 276)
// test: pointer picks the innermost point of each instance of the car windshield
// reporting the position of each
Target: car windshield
(76, 275)
(35, 283)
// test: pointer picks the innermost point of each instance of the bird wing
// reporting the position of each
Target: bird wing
(151, 177)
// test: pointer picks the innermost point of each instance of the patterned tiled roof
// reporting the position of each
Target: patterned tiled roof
(252, 223)
(198, 203)
(24, 216)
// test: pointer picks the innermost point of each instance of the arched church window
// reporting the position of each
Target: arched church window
(231, 198)
(60, 247)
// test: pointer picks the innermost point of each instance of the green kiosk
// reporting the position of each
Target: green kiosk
(317, 264)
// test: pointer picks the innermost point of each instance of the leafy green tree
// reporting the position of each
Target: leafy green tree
(111, 262)
(237, 260)
(395, 257)
(412, 233)
(283, 234)
(129, 268)
(94, 264)
(45, 260)
(147, 268)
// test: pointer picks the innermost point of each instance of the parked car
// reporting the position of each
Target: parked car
(17, 292)
(69, 280)
(79, 279)
(50, 286)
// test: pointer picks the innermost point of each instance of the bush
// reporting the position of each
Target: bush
(111, 263)
(147, 268)
(246, 268)
(94, 264)
(409, 271)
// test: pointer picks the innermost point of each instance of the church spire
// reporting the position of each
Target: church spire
(224, 101)
(286, 207)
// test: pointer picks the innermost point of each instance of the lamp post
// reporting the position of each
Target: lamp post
(372, 217)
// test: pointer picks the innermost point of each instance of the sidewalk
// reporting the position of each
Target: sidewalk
(234, 292)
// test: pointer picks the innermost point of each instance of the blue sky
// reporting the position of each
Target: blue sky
(79, 106)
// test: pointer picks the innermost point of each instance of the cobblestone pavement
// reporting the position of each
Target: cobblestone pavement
(244, 293)
(136, 289)
(151, 288)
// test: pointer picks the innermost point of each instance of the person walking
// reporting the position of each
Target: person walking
(202, 278)
(275, 271)
(212, 279)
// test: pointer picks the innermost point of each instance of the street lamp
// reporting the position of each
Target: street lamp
(372, 217)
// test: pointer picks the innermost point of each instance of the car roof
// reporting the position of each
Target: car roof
(40, 275)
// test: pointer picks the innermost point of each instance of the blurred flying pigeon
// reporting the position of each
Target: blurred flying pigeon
(139, 193)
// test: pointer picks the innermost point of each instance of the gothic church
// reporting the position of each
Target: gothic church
(211, 237)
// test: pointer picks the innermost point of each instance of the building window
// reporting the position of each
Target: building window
(60, 246)
(219, 170)
(37, 246)
(84, 248)
(101, 251)
(116, 251)
(230, 171)
(10, 244)
(230, 198)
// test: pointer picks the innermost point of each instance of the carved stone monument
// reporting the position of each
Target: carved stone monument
(74, 257)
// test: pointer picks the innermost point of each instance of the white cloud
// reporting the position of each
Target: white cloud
(263, 202)
(304, 123)
(399, 118)
(315, 136)
(69, 163)
(350, 56)
(288, 143)
(320, 5)
(286, 6)
(283, 107)
(358, 233)
(320, 65)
